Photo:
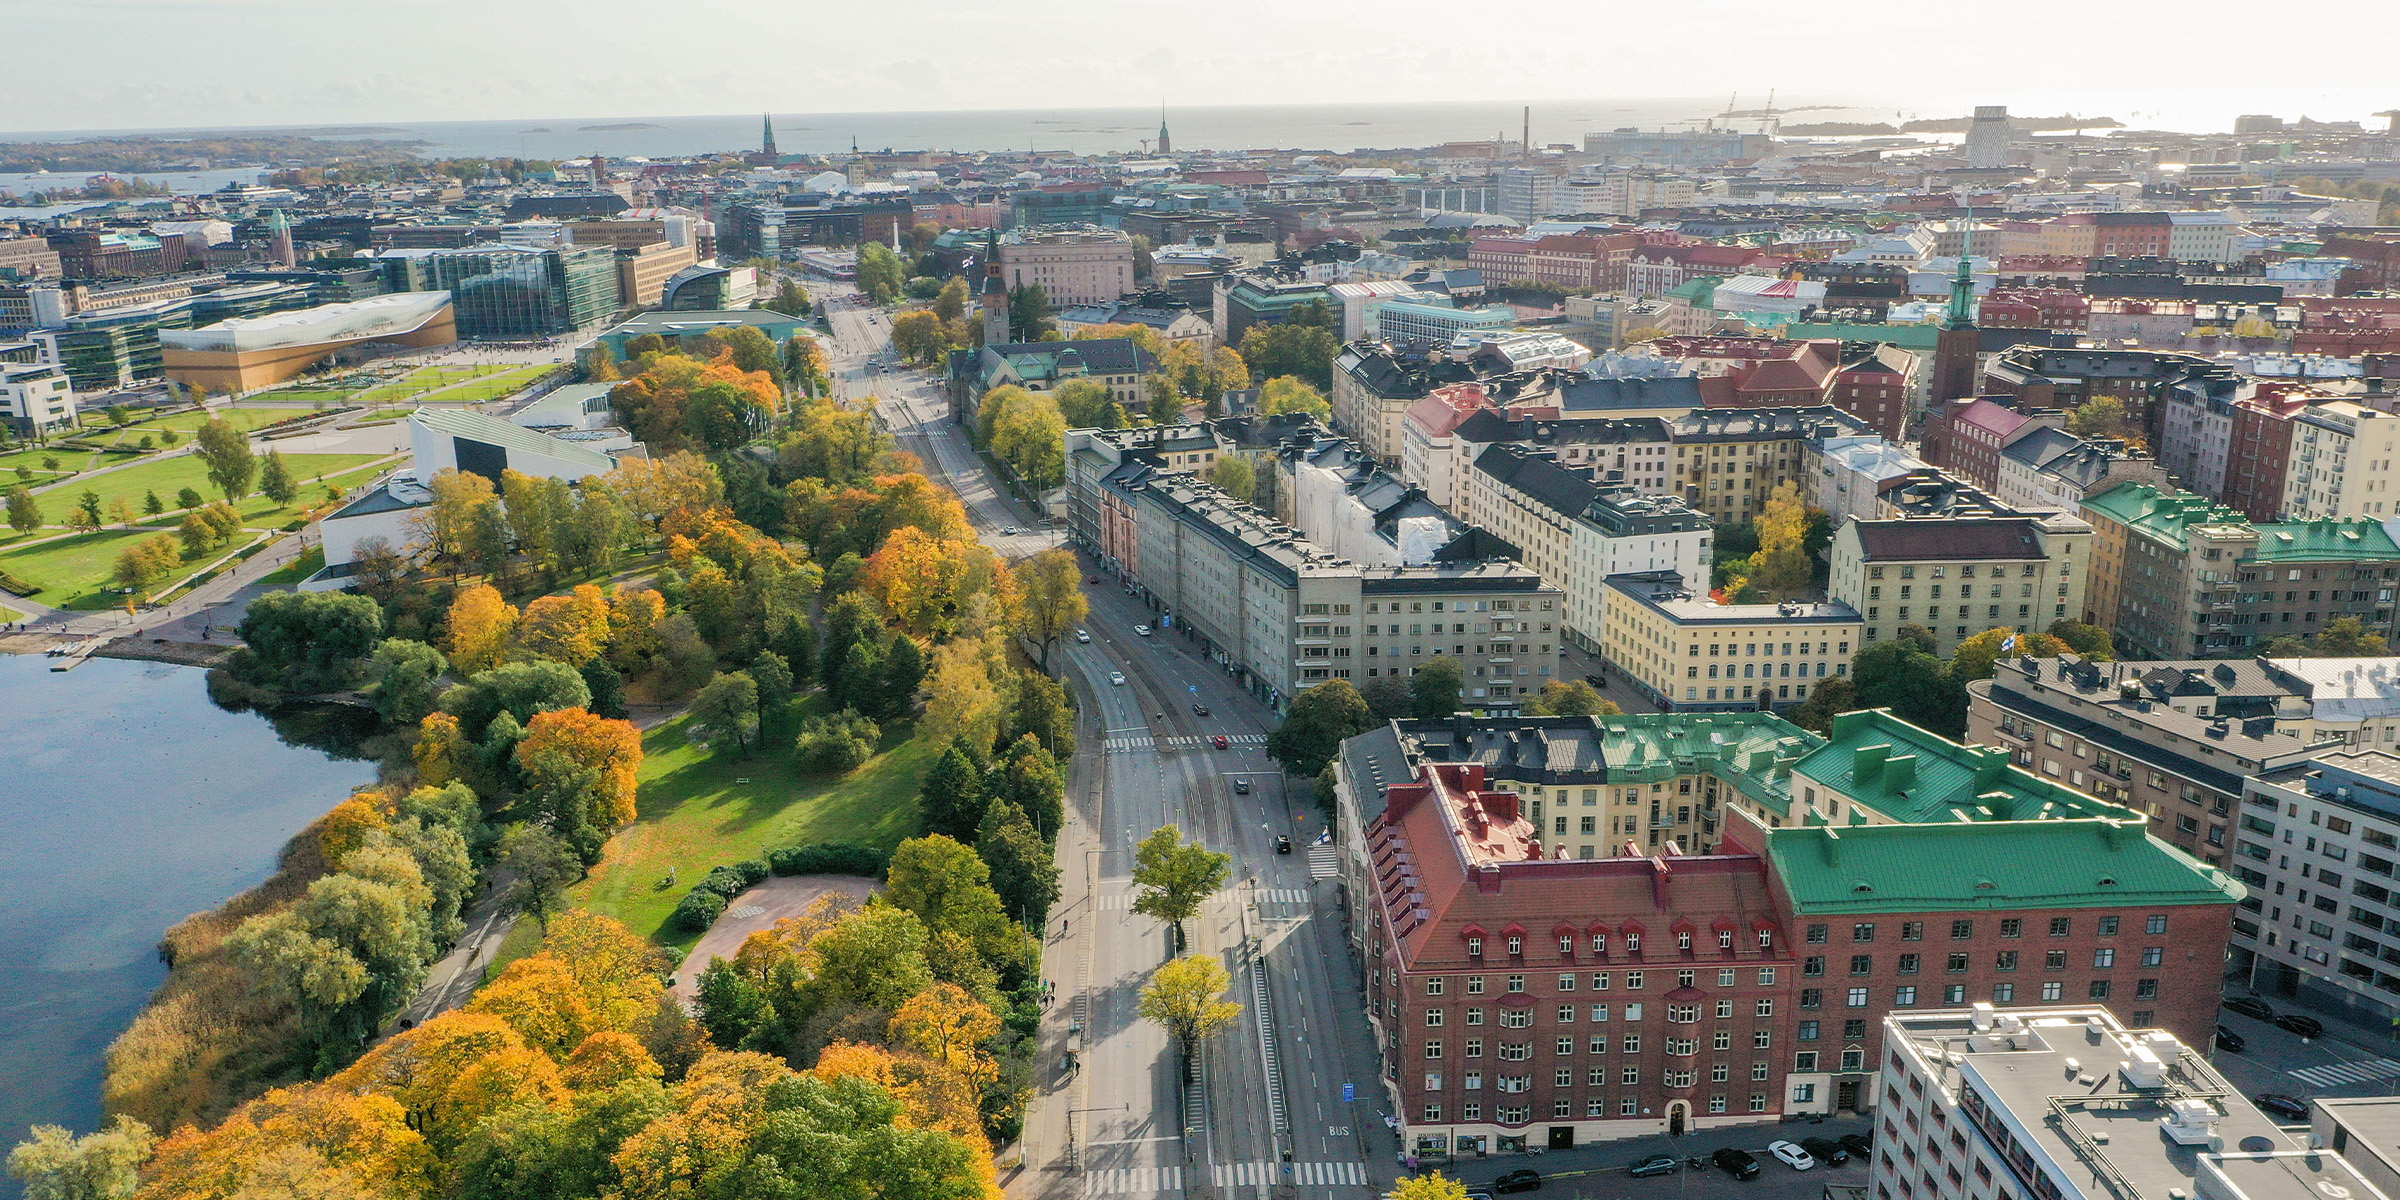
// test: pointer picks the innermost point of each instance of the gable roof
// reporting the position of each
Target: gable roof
(1974, 539)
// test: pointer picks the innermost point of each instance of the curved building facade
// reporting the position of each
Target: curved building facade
(246, 353)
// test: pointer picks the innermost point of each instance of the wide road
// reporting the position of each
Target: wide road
(1113, 1122)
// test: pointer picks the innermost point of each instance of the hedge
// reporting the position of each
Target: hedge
(699, 910)
(829, 858)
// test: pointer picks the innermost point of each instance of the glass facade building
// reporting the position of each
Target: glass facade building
(117, 346)
(521, 291)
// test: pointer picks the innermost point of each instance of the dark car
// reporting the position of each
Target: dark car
(1199, 710)
(1283, 843)
(1736, 1162)
(1518, 1181)
(2276, 1104)
(2307, 1027)
(1858, 1147)
(1241, 787)
(1656, 1164)
(2251, 1007)
(2229, 1040)
(1826, 1150)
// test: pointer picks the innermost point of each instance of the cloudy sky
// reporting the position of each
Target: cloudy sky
(115, 64)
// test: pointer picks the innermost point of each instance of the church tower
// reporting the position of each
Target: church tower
(279, 238)
(1954, 351)
(767, 140)
(1166, 145)
(995, 293)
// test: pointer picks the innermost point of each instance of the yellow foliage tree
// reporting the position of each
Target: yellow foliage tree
(565, 742)
(616, 969)
(606, 1059)
(481, 624)
(946, 1024)
(1780, 567)
(440, 748)
(345, 1141)
(572, 629)
(720, 1101)
(346, 827)
(538, 997)
(451, 1072)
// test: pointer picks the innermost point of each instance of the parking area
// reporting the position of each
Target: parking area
(1597, 1171)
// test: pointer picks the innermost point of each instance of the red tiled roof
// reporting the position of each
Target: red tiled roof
(1989, 417)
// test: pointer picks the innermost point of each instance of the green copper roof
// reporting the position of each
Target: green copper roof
(1907, 337)
(1910, 775)
(2324, 541)
(1999, 865)
(2159, 517)
(1753, 750)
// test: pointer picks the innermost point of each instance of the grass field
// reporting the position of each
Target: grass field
(496, 387)
(310, 395)
(426, 379)
(700, 808)
(72, 572)
(187, 423)
(167, 476)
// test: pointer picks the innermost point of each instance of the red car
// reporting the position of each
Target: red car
(1221, 742)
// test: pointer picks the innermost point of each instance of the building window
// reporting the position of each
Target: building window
(1433, 1018)
(1904, 997)
(2104, 957)
(2053, 991)
(1433, 986)
(1961, 930)
(1858, 997)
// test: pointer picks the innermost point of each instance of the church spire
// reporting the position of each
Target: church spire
(766, 148)
(1962, 287)
(1166, 145)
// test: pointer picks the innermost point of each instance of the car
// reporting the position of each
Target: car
(1091, 579)
(2307, 1027)
(1141, 631)
(1199, 710)
(1790, 1155)
(2276, 1104)
(1220, 742)
(1598, 681)
(1656, 1164)
(1858, 1146)
(2229, 1040)
(2250, 1006)
(1083, 635)
(1010, 531)
(1241, 787)
(1283, 843)
(1825, 1150)
(1117, 678)
(1735, 1162)
(1518, 1181)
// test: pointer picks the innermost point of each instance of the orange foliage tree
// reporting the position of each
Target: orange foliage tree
(342, 830)
(451, 1072)
(343, 1141)
(561, 744)
(572, 629)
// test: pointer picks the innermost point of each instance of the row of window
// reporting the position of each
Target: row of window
(1631, 1043)
(1905, 996)
(1595, 1106)
(1633, 945)
(1521, 1018)
(2005, 960)
(2009, 927)
(1436, 985)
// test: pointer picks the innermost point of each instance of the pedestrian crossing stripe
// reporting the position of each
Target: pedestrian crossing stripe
(1124, 900)
(1137, 744)
(2337, 1074)
(1324, 862)
(1307, 1174)
(1132, 1181)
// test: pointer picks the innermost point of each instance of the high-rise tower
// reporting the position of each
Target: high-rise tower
(1987, 137)
(1166, 145)
(766, 148)
(995, 293)
(279, 238)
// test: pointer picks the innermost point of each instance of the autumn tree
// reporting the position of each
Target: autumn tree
(1288, 394)
(1781, 567)
(226, 451)
(1436, 1186)
(1172, 877)
(2348, 637)
(580, 774)
(142, 566)
(448, 522)
(1030, 437)
(951, 303)
(1187, 998)
(572, 628)
(1050, 597)
(1084, 404)
(482, 626)
(1975, 656)
(57, 1165)
(1571, 698)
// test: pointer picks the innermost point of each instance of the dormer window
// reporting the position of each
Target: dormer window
(1516, 945)
(1474, 947)
(1599, 943)
(1724, 939)
(1766, 939)
(1566, 946)
(1633, 943)
(1683, 939)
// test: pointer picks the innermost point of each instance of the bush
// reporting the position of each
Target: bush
(828, 858)
(838, 744)
(752, 870)
(724, 881)
(699, 910)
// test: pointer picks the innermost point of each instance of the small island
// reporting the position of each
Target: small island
(618, 128)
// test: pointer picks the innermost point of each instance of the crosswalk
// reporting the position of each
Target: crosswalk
(1124, 900)
(1135, 743)
(1307, 1174)
(1132, 1181)
(1324, 862)
(2337, 1074)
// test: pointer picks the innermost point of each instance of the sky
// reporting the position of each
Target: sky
(125, 64)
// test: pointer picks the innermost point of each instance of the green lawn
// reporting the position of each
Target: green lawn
(188, 423)
(310, 395)
(73, 572)
(700, 809)
(497, 386)
(167, 476)
(426, 379)
(311, 561)
(69, 462)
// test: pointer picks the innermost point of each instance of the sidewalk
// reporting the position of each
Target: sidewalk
(1610, 1158)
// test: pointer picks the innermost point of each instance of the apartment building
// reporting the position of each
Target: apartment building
(1074, 264)
(1528, 498)
(2144, 735)
(1625, 532)
(2051, 468)
(1349, 505)
(1686, 652)
(2067, 1103)
(1374, 387)
(1728, 461)
(2340, 464)
(1960, 576)
(1848, 475)
(2178, 576)
(1097, 517)
(2317, 845)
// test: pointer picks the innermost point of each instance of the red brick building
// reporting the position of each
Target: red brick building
(2260, 454)
(1970, 437)
(2055, 309)
(1872, 385)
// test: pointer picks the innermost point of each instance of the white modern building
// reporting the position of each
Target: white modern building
(35, 398)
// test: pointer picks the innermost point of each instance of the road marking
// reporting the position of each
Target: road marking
(2337, 1074)
(1124, 900)
(1130, 745)
(1132, 1181)
(1307, 1174)
(1324, 862)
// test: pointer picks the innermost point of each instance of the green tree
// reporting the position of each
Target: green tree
(1903, 676)
(1024, 872)
(774, 681)
(1437, 686)
(953, 794)
(24, 512)
(1290, 394)
(539, 866)
(731, 1006)
(753, 350)
(2348, 637)
(151, 504)
(1084, 404)
(2103, 417)
(405, 674)
(1165, 400)
(949, 888)
(951, 304)
(880, 272)
(1028, 776)
(1050, 597)
(727, 710)
(1029, 318)
(308, 643)
(57, 1165)
(1291, 347)
(1315, 726)
(1173, 877)
(1187, 998)
(275, 479)
(2090, 641)
(789, 300)
(87, 507)
(1827, 699)
(898, 674)
(1387, 698)
(226, 450)
(189, 498)
(1236, 477)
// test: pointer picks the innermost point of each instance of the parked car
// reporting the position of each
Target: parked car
(1735, 1162)
(1859, 1147)
(1141, 630)
(2276, 1104)
(1083, 635)
(1199, 710)
(2250, 1006)
(1241, 787)
(1518, 1181)
(1825, 1150)
(1656, 1164)
(1790, 1155)
(2229, 1040)
(1283, 843)
(2307, 1027)
(1117, 678)
(1220, 742)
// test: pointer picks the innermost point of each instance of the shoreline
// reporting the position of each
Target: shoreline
(204, 655)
